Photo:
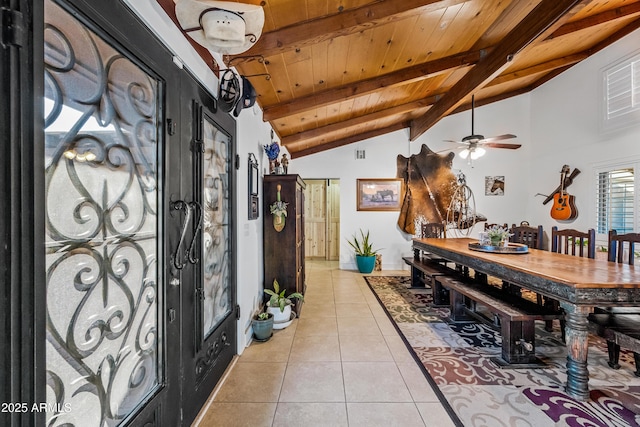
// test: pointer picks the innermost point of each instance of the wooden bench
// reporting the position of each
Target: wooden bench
(620, 330)
(425, 273)
(514, 316)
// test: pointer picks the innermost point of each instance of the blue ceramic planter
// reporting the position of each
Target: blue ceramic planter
(263, 329)
(365, 263)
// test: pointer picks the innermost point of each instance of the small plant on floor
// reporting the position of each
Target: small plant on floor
(262, 325)
(278, 297)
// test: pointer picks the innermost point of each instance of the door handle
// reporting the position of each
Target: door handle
(188, 209)
(190, 253)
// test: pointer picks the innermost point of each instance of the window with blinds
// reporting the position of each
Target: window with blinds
(621, 84)
(616, 201)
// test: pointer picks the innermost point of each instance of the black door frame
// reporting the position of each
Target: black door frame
(21, 222)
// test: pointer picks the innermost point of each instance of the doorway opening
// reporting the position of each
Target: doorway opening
(322, 219)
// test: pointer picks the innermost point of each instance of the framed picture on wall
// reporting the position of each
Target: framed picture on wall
(254, 182)
(494, 185)
(380, 194)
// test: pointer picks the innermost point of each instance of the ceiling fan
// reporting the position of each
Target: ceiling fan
(475, 143)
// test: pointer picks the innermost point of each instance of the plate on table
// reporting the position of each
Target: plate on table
(511, 248)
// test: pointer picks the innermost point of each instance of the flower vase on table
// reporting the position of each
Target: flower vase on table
(498, 236)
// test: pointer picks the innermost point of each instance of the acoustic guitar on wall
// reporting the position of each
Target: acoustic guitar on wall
(564, 207)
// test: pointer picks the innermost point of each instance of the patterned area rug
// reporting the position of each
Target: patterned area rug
(456, 359)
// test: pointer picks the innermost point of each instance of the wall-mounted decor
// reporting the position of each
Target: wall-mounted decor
(494, 185)
(254, 180)
(381, 194)
(279, 211)
(430, 186)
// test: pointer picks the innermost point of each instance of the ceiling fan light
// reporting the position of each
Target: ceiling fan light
(464, 153)
(477, 153)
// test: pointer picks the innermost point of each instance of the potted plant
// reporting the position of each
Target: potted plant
(498, 236)
(280, 304)
(365, 254)
(262, 324)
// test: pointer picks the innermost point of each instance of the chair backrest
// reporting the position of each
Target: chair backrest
(488, 226)
(617, 246)
(573, 242)
(530, 236)
(433, 229)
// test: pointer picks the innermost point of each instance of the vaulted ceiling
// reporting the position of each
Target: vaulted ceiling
(333, 72)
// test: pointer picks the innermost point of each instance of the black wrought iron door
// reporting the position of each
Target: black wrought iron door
(108, 305)
(209, 314)
(140, 287)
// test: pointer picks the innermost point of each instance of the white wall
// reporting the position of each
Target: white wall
(565, 113)
(380, 162)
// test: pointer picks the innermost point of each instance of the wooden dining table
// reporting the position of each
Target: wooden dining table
(579, 284)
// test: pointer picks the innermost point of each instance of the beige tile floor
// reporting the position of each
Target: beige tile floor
(341, 363)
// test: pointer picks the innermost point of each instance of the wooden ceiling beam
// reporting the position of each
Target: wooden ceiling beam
(347, 22)
(363, 87)
(544, 67)
(624, 31)
(486, 101)
(356, 138)
(549, 68)
(296, 138)
(404, 76)
(349, 140)
(625, 11)
(545, 18)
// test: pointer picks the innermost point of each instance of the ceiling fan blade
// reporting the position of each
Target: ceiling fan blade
(455, 142)
(499, 138)
(499, 145)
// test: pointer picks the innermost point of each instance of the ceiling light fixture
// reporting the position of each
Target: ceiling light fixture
(475, 152)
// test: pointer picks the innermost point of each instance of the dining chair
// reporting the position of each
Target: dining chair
(433, 229)
(487, 226)
(527, 235)
(619, 325)
(569, 242)
(619, 244)
(573, 242)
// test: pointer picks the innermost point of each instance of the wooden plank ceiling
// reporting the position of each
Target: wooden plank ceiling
(345, 70)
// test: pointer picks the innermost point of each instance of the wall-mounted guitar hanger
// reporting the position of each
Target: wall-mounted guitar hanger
(568, 180)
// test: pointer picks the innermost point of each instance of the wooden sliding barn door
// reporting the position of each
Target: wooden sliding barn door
(322, 219)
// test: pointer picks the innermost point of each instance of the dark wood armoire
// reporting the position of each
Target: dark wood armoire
(284, 249)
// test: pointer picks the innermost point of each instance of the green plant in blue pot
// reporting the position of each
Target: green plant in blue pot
(365, 254)
(262, 324)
